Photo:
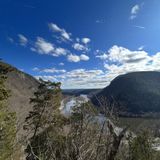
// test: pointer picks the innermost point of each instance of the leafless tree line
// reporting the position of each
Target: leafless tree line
(83, 136)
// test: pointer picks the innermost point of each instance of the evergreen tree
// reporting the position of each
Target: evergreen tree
(45, 120)
(7, 119)
(140, 147)
(43, 106)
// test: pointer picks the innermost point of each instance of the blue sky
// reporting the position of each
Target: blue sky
(82, 43)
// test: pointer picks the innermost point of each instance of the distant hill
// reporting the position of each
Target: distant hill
(137, 92)
(78, 92)
(22, 86)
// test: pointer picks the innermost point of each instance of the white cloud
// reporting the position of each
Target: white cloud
(84, 57)
(64, 35)
(61, 64)
(10, 39)
(53, 70)
(54, 27)
(82, 78)
(102, 56)
(35, 69)
(140, 27)
(124, 55)
(134, 11)
(121, 60)
(86, 40)
(60, 51)
(49, 70)
(22, 40)
(77, 40)
(141, 48)
(76, 58)
(82, 73)
(44, 47)
(79, 47)
(100, 21)
(46, 78)
(73, 58)
(117, 60)
(78, 78)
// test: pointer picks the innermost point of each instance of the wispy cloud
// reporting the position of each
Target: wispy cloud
(61, 64)
(134, 11)
(140, 27)
(22, 40)
(64, 35)
(53, 70)
(103, 56)
(35, 69)
(141, 48)
(10, 39)
(48, 70)
(100, 21)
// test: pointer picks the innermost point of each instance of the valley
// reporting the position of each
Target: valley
(74, 102)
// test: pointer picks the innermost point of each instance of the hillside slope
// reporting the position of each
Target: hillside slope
(137, 92)
(21, 86)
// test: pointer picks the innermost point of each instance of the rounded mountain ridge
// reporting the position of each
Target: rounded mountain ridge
(137, 92)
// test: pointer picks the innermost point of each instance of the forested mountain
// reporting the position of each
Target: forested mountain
(136, 92)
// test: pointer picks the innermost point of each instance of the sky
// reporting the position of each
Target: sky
(81, 43)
